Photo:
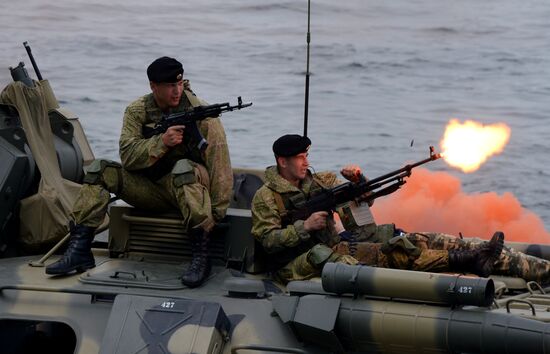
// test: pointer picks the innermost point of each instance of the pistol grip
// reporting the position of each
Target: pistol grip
(193, 130)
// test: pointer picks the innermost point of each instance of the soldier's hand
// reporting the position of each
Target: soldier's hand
(316, 221)
(173, 136)
(351, 173)
(186, 85)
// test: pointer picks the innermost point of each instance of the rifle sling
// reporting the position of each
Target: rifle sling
(282, 209)
(195, 102)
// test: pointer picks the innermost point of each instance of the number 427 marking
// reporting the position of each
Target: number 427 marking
(168, 304)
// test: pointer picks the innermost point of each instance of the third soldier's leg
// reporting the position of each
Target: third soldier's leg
(510, 263)
(399, 256)
(517, 264)
(400, 253)
(310, 263)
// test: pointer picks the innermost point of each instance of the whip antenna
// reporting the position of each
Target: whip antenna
(308, 38)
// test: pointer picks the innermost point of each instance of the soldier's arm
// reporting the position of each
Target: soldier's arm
(218, 164)
(136, 152)
(328, 179)
(266, 224)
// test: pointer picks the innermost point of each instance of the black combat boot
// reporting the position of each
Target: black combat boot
(479, 260)
(78, 255)
(200, 265)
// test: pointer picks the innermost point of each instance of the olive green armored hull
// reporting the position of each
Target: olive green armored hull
(139, 306)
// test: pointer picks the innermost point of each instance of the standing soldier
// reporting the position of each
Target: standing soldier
(161, 173)
(298, 249)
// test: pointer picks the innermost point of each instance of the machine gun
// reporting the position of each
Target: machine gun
(329, 199)
(190, 118)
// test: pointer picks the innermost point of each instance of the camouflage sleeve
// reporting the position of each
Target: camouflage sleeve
(136, 152)
(218, 164)
(328, 179)
(266, 224)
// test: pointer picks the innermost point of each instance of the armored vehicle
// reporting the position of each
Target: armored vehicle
(134, 302)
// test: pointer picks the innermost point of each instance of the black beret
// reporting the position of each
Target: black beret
(165, 69)
(291, 145)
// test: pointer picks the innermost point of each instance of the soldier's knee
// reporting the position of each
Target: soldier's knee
(187, 172)
(420, 240)
(106, 173)
(183, 173)
(319, 254)
(400, 242)
(400, 252)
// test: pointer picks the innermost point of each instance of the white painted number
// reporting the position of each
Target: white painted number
(465, 290)
(168, 304)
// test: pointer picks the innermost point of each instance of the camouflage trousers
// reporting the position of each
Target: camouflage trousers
(399, 253)
(510, 263)
(186, 192)
(412, 251)
(310, 264)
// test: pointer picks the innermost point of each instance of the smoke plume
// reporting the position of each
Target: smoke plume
(435, 202)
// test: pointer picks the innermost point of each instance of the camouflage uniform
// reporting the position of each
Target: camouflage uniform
(510, 263)
(297, 254)
(153, 176)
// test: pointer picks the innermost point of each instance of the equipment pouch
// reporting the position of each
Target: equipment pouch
(384, 232)
(298, 200)
(96, 169)
(183, 173)
(403, 243)
(319, 255)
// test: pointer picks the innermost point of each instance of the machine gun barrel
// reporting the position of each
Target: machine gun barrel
(190, 118)
(406, 170)
(33, 62)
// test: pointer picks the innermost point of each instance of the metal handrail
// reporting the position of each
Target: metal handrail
(266, 348)
(527, 302)
(148, 220)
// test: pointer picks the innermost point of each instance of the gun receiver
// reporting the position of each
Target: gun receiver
(329, 199)
(190, 118)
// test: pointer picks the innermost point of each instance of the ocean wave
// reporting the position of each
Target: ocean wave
(442, 29)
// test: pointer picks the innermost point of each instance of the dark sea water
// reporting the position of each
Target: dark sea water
(382, 74)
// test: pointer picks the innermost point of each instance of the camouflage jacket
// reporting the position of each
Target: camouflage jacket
(267, 222)
(151, 155)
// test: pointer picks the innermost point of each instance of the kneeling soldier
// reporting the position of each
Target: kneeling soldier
(160, 173)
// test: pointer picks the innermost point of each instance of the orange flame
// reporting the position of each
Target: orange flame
(468, 145)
